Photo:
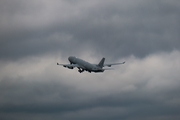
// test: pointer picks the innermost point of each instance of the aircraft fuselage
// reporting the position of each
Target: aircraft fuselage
(85, 65)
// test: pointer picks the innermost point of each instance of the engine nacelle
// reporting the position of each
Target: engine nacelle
(70, 67)
(66, 66)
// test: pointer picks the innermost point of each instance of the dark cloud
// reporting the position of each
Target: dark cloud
(36, 34)
(134, 27)
(53, 97)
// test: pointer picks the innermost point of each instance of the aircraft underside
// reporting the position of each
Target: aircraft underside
(82, 70)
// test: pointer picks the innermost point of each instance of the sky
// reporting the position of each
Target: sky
(36, 34)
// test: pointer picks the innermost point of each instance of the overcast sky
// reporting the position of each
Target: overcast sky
(36, 34)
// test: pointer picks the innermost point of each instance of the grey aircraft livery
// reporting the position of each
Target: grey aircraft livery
(86, 66)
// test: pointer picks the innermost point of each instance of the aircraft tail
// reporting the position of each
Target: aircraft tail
(101, 63)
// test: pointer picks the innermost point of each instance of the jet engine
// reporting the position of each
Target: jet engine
(70, 67)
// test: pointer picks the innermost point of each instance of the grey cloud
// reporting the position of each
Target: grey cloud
(131, 92)
(131, 104)
(135, 27)
(35, 35)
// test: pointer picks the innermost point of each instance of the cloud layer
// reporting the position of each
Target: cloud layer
(143, 88)
(36, 34)
(122, 27)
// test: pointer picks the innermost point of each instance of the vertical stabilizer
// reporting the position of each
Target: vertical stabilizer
(101, 63)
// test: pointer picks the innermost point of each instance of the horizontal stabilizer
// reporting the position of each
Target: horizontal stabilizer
(108, 68)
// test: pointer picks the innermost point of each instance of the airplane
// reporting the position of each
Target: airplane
(86, 66)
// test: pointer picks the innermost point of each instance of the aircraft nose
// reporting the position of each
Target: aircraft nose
(70, 58)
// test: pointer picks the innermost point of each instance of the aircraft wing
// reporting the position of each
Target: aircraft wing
(109, 65)
(70, 66)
